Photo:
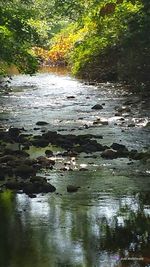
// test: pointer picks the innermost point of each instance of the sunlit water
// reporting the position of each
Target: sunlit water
(106, 223)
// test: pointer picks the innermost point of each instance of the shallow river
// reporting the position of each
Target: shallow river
(107, 222)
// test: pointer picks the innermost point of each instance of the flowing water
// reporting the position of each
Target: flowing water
(107, 222)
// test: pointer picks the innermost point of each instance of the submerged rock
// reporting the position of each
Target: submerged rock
(72, 188)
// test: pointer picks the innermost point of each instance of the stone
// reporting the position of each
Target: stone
(119, 147)
(38, 179)
(131, 125)
(24, 171)
(38, 187)
(49, 153)
(2, 177)
(14, 185)
(41, 123)
(72, 188)
(109, 154)
(147, 124)
(70, 97)
(97, 107)
(41, 142)
(7, 158)
(45, 162)
(14, 132)
(16, 153)
(123, 109)
(83, 169)
(5, 170)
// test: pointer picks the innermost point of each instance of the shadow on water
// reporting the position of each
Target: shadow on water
(107, 222)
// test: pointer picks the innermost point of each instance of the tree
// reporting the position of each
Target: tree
(17, 34)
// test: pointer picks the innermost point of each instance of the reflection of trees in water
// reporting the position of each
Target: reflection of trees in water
(131, 234)
(70, 237)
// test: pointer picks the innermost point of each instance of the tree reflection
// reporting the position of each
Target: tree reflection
(43, 233)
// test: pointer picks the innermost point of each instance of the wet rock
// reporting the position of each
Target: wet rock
(24, 171)
(89, 147)
(72, 188)
(77, 143)
(41, 123)
(45, 162)
(40, 142)
(26, 147)
(147, 124)
(83, 169)
(36, 128)
(38, 179)
(3, 135)
(49, 153)
(109, 154)
(70, 97)
(64, 169)
(131, 125)
(91, 156)
(121, 149)
(130, 163)
(96, 122)
(5, 170)
(14, 132)
(16, 153)
(124, 109)
(14, 185)
(86, 126)
(133, 153)
(97, 107)
(69, 153)
(38, 187)
(100, 121)
(128, 102)
(2, 177)
(7, 158)
(118, 114)
(131, 101)
(32, 195)
(91, 83)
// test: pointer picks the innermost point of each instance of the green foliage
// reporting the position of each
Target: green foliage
(101, 40)
(17, 34)
(115, 45)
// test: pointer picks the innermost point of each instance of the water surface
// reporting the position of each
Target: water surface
(106, 223)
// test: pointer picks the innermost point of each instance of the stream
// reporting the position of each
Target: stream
(106, 223)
